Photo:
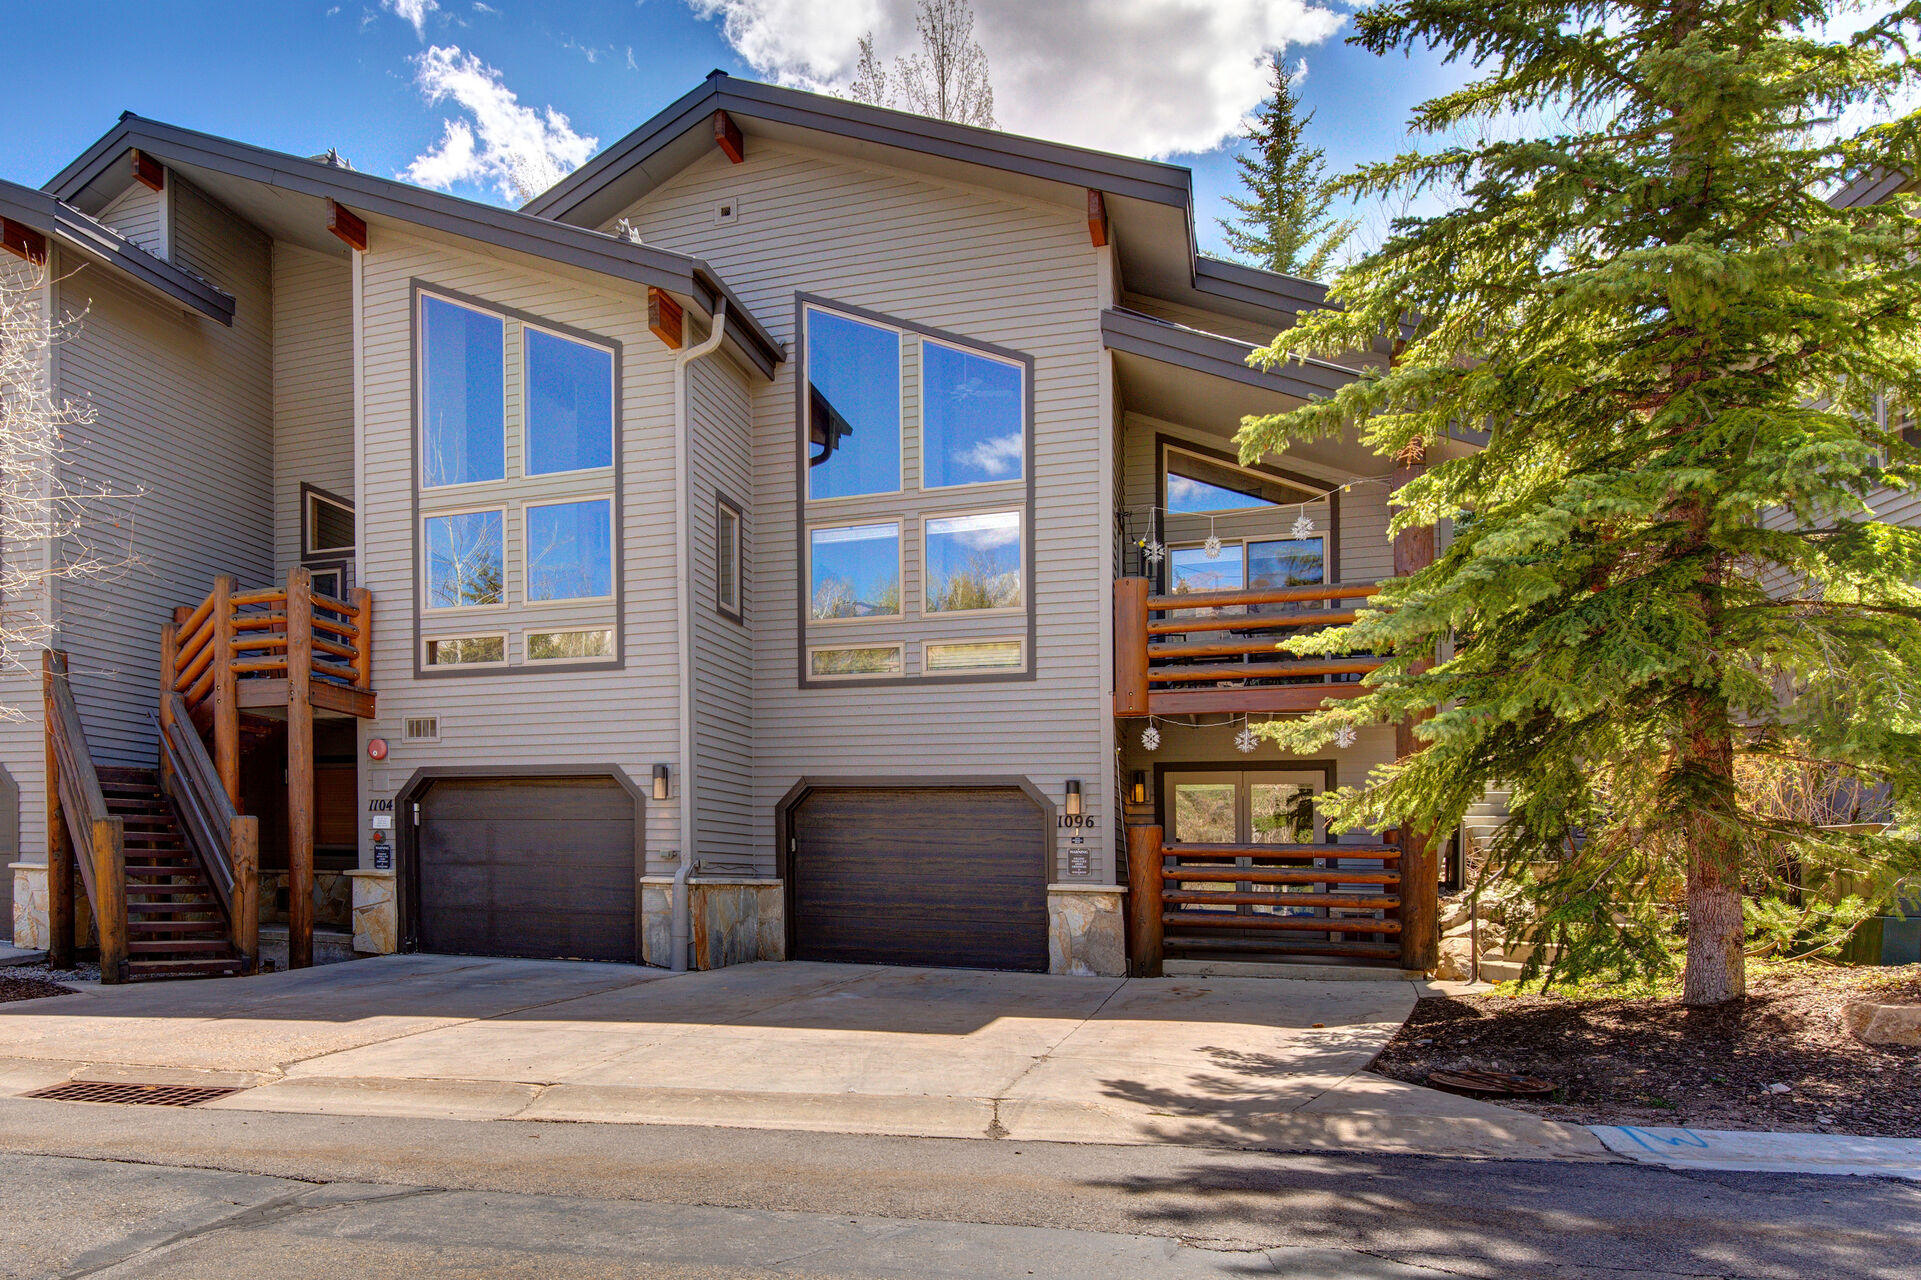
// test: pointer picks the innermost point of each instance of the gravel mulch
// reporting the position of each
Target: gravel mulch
(16, 986)
(1654, 1062)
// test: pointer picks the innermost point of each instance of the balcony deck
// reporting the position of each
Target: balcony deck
(1198, 652)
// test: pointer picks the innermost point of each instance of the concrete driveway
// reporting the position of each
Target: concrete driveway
(850, 1049)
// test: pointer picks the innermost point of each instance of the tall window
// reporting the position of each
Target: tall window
(518, 489)
(915, 460)
(853, 407)
(727, 558)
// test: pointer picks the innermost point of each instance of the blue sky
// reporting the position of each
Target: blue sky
(553, 80)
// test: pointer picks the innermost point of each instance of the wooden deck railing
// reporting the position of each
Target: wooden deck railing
(79, 829)
(1203, 651)
(225, 841)
(1258, 901)
(273, 647)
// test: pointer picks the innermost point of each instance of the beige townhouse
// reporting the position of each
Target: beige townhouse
(808, 531)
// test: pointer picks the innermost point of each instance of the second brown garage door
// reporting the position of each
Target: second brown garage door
(532, 867)
(946, 876)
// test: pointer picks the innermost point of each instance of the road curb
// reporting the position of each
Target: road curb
(1761, 1152)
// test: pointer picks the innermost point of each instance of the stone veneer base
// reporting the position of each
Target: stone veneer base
(376, 914)
(735, 921)
(1087, 930)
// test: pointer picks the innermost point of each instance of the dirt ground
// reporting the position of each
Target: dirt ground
(19, 986)
(1651, 1061)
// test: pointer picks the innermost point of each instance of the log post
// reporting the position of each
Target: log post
(300, 768)
(226, 690)
(1144, 900)
(363, 603)
(169, 659)
(243, 845)
(110, 893)
(1420, 868)
(60, 922)
(1130, 646)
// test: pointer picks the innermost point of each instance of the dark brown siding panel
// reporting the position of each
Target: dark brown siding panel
(921, 876)
(533, 867)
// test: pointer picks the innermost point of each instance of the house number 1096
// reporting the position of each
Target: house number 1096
(1077, 821)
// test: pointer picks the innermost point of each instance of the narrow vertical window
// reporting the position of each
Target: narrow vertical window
(463, 399)
(853, 407)
(727, 558)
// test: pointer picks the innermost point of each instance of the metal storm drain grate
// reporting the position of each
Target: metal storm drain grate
(140, 1095)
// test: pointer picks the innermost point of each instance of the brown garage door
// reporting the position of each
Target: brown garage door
(920, 875)
(536, 867)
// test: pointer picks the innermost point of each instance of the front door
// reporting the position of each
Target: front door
(1245, 807)
(1253, 806)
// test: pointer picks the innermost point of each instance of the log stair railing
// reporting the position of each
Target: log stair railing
(161, 907)
(225, 842)
(1249, 902)
(1198, 652)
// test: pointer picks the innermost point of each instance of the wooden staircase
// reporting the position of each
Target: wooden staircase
(176, 927)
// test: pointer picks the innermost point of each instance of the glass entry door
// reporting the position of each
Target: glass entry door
(1253, 806)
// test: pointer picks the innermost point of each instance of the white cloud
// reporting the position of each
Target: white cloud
(517, 150)
(414, 11)
(1142, 77)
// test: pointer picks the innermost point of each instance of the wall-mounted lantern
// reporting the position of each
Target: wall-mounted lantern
(1073, 797)
(660, 782)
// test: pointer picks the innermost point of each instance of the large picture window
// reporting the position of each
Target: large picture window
(518, 490)
(916, 489)
(462, 396)
(570, 404)
(853, 407)
(973, 418)
(854, 572)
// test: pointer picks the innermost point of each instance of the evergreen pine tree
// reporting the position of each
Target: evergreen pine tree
(1666, 562)
(1282, 223)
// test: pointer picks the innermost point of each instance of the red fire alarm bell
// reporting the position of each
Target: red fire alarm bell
(376, 748)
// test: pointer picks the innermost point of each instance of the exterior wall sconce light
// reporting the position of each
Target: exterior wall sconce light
(660, 782)
(1140, 786)
(1073, 797)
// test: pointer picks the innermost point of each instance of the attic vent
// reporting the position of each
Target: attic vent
(727, 211)
(421, 729)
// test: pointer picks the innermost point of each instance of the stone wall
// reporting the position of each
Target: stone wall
(376, 913)
(734, 921)
(29, 904)
(332, 898)
(1087, 930)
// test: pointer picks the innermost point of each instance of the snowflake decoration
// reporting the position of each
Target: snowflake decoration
(1245, 739)
(1304, 525)
(1154, 552)
(1211, 548)
(1150, 738)
(1345, 736)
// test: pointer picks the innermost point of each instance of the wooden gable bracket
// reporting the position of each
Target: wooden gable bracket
(148, 171)
(23, 241)
(728, 138)
(664, 318)
(347, 225)
(1096, 218)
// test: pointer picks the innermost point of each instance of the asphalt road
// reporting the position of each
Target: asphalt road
(148, 1192)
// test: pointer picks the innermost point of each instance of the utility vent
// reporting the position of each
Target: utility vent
(139, 1095)
(727, 211)
(421, 729)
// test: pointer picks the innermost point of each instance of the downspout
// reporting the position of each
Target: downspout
(682, 933)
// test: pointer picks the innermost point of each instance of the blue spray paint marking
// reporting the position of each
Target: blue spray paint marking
(1682, 1138)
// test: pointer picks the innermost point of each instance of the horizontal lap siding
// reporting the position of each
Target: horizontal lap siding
(313, 387)
(22, 741)
(139, 213)
(554, 717)
(720, 416)
(183, 413)
(989, 268)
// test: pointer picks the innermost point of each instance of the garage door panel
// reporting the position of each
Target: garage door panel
(528, 867)
(933, 876)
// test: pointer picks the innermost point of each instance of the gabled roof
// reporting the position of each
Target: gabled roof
(72, 229)
(304, 185)
(1149, 204)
